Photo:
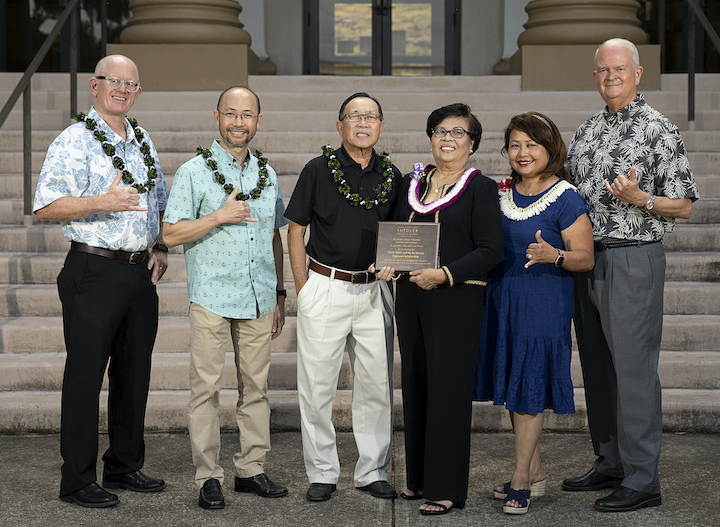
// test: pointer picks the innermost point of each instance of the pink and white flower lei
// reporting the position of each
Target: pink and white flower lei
(448, 199)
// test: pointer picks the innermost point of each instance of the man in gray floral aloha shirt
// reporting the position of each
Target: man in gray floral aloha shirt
(629, 164)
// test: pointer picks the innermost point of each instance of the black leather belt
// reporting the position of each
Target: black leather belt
(131, 258)
(360, 277)
(612, 243)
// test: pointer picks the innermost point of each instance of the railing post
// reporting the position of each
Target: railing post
(691, 68)
(27, 156)
(661, 33)
(74, 27)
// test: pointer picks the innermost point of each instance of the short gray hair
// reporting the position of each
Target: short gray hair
(624, 43)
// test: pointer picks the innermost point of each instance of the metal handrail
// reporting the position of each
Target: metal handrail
(705, 23)
(25, 87)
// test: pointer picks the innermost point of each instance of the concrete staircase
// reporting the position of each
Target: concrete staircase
(299, 114)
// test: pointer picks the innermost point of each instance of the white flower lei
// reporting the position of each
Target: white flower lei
(515, 213)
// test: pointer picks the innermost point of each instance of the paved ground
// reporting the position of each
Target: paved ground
(30, 467)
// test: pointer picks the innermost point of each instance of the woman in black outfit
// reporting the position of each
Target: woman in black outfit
(439, 312)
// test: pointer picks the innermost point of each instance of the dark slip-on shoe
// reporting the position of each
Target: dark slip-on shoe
(211, 495)
(135, 481)
(92, 496)
(592, 480)
(320, 491)
(379, 489)
(260, 485)
(625, 500)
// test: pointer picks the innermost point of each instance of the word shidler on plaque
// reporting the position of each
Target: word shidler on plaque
(407, 246)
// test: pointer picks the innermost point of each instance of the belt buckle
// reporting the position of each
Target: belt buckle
(131, 259)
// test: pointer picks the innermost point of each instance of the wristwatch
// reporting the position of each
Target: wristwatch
(281, 292)
(560, 258)
(649, 204)
(161, 247)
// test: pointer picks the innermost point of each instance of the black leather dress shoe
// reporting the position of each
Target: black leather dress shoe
(260, 485)
(625, 499)
(92, 496)
(211, 495)
(380, 489)
(593, 480)
(136, 481)
(320, 491)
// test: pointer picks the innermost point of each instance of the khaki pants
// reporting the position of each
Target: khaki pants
(208, 343)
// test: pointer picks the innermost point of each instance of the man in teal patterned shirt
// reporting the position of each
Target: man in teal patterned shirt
(226, 208)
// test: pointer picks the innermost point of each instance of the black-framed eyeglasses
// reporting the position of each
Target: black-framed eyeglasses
(357, 117)
(115, 83)
(457, 133)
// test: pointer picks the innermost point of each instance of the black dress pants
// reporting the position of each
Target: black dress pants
(439, 333)
(110, 312)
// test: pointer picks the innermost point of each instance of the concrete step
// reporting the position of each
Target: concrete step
(697, 266)
(45, 334)
(41, 300)
(415, 148)
(324, 83)
(39, 412)
(705, 210)
(43, 268)
(288, 99)
(44, 371)
(42, 334)
(691, 237)
(290, 141)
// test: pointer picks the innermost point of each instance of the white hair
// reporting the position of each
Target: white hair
(624, 43)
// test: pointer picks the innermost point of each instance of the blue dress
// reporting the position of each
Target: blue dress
(525, 350)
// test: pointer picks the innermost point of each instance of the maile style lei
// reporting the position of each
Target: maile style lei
(228, 187)
(421, 172)
(117, 162)
(515, 213)
(343, 188)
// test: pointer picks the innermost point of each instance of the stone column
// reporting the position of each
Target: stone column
(558, 45)
(186, 45)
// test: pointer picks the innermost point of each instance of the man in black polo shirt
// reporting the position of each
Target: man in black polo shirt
(342, 195)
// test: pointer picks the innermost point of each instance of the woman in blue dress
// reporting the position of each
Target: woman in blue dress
(526, 348)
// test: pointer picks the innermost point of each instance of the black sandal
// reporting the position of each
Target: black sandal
(414, 496)
(443, 508)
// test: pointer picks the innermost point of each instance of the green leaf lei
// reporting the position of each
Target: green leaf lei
(117, 162)
(343, 188)
(228, 187)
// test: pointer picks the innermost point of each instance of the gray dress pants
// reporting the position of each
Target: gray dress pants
(618, 314)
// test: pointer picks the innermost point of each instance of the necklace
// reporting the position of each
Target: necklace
(344, 189)
(228, 187)
(117, 162)
(448, 199)
(515, 213)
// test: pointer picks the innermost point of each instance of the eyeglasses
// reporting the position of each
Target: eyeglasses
(115, 83)
(243, 116)
(357, 117)
(457, 133)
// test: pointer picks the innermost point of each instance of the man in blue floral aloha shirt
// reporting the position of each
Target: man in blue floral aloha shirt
(101, 179)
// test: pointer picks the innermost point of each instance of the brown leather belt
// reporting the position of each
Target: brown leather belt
(131, 258)
(360, 277)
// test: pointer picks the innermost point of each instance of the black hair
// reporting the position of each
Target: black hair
(458, 109)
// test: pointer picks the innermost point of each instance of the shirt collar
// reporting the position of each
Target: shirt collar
(346, 161)
(624, 113)
(113, 137)
(219, 152)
